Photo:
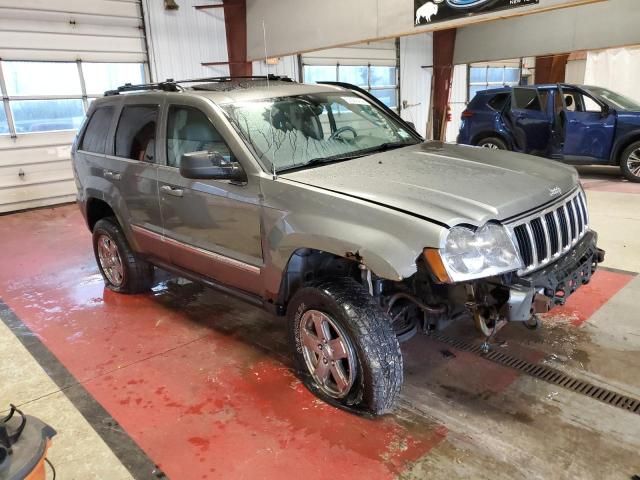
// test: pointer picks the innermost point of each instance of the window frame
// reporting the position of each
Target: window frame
(168, 108)
(368, 87)
(137, 103)
(83, 95)
(487, 85)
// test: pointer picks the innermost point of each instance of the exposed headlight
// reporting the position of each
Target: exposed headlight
(487, 251)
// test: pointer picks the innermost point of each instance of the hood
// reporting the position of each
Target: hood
(450, 184)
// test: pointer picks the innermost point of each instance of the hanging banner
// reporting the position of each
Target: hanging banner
(433, 11)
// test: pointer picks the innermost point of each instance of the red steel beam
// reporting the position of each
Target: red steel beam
(235, 20)
(443, 47)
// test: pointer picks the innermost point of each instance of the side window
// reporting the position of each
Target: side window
(189, 130)
(526, 99)
(499, 101)
(95, 136)
(136, 133)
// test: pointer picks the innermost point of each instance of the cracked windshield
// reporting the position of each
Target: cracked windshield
(304, 130)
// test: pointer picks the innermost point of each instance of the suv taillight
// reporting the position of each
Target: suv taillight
(467, 114)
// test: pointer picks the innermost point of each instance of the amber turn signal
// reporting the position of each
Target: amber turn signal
(432, 256)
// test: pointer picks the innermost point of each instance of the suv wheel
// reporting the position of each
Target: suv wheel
(345, 349)
(492, 143)
(630, 163)
(121, 269)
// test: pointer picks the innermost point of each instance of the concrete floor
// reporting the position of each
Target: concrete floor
(190, 384)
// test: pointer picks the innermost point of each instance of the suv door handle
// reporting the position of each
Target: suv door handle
(111, 175)
(169, 190)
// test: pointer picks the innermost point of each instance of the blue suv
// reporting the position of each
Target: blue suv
(575, 124)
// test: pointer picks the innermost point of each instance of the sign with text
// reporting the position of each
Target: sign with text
(432, 11)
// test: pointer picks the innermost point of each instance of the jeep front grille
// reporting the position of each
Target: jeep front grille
(550, 233)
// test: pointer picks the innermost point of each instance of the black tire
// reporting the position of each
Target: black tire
(378, 373)
(137, 275)
(497, 143)
(633, 149)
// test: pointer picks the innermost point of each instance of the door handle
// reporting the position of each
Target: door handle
(169, 190)
(111, 175)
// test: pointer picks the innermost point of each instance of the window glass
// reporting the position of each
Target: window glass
(354, 75)
(290, 132)
(136, 133)
(388, 96)
(100, 77)
(189, 130)
(383, 76)
(526, 98)
(319, 73)
(4, 126)
(511, 75)
(478, 74)
(495, 75)
(95, 136)
(499, 101)
(47, 115)
(41, 78)
(590, 105)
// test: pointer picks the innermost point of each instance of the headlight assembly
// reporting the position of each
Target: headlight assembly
(469, 254)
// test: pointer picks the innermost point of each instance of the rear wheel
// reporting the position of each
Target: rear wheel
(345, 349)
(630, 162)
(121, 269)
(492, 143)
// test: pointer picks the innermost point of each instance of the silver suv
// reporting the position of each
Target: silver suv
(318, 203)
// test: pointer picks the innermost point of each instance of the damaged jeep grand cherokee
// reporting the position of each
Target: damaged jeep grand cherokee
(318, 203)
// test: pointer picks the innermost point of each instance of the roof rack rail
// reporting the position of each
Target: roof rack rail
(168, 86)
(171, 85)
(237, 77)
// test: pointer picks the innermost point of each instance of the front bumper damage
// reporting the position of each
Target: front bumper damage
(553, 284)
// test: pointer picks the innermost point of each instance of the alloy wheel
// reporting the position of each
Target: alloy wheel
(490, 145)
(110, 260)
(633, 162)
(328, 353)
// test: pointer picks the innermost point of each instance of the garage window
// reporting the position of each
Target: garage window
(53, 96)
(486, 77)
(381, 81)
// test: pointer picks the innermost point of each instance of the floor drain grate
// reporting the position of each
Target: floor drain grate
(547, 374)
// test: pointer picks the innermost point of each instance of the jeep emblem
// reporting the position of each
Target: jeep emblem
(555, 191)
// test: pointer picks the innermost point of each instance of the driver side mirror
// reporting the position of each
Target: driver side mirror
(204, 165)
(605, 110)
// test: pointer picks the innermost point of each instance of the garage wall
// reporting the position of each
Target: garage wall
(35, 163)
(181, 40)
(613, 23)
(315, 25)
(617, 69)
(286, 67)
(416, 72)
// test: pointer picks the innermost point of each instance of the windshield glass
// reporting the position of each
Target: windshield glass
(615, 99)
(292, 132)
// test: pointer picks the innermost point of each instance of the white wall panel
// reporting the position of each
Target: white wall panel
(575, 71)
(180, 40)
(287, 67)
(416, 52)
(617, 69)
(374, 53)
(457, 101)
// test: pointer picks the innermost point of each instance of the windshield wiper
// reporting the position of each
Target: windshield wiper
(347, 156)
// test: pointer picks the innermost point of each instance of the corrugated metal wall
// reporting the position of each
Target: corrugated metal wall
(181, 40)
(35, 168)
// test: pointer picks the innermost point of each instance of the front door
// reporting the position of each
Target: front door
(588, 126)
(212, 226)
(529, 120)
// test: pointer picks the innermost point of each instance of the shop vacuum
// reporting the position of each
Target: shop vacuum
(24, 441)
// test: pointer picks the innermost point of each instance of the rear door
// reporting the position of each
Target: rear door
(588, 129)
(133, 170)
(529, 120)
(212, 226)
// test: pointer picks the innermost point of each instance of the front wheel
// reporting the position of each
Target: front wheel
(492, 143)
(630, 162)
(344, 346)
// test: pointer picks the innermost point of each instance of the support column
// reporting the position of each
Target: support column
(551, 68)
(235, 22)
(443, 45)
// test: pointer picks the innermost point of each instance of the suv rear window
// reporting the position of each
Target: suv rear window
(499, 101)
(136, 133)
(95, 136)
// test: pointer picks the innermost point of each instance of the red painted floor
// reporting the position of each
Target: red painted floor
(192, 376)
(202, 401)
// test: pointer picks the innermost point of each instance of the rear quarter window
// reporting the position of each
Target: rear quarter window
(499, 101)
(95, 136)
